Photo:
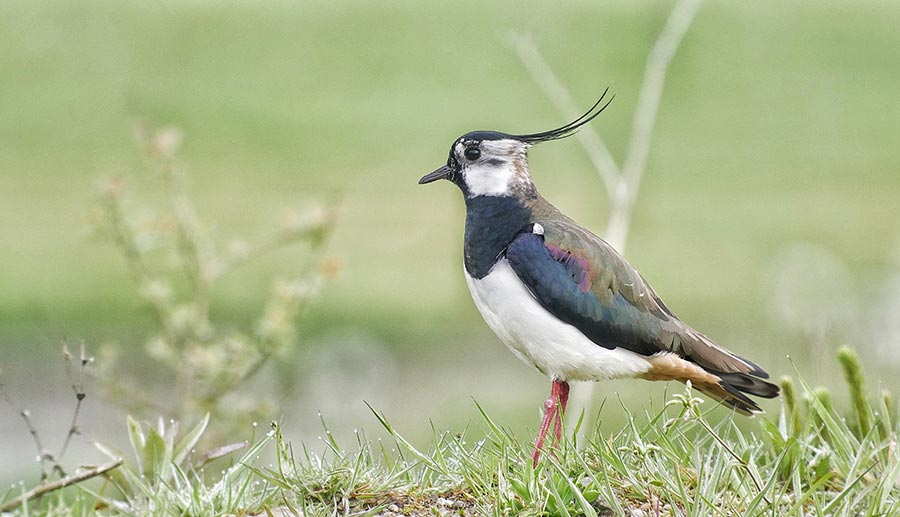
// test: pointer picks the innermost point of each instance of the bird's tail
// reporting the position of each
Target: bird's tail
(731, 389)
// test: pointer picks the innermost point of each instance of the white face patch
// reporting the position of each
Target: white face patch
(495, 171)
(488, 180)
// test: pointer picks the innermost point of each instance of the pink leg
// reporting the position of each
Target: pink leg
(561, 411)
(559, 396)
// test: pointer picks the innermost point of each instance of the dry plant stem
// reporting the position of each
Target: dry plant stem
(41, 490)
(622, 185)
(78, 389)
(266, 350)
(268, 245)
(196, 250)
(196, 255)
(199, 255)
(645, 117)
(125, 240)
(49, 462)
(43, 455)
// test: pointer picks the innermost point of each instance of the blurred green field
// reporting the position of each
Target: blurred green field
(779, 124)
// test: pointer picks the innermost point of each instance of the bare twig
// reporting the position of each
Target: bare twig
(645, 114)
(196, 249)
(41, 490)
(44, 456)
(49, 462)
(78, 389)
(622, 185)
(125, 239)
(122, 233)
(278, 240)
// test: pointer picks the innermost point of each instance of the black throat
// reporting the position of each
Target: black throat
(491, 224)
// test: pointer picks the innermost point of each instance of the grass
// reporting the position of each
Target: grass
(673, 462)
(810, 460)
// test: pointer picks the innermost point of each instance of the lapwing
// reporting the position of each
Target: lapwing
(561, 298)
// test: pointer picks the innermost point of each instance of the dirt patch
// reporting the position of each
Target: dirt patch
(397, 504)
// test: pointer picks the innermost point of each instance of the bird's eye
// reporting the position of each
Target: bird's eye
(472, 153)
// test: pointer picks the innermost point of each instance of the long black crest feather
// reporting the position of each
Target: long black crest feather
(570, 128)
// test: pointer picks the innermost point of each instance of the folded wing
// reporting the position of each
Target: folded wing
(584, 282)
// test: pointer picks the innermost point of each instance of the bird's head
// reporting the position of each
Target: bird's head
(491, 163)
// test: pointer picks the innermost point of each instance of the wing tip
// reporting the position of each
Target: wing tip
(755, 369)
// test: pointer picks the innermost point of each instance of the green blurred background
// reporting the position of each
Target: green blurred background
(769, 216)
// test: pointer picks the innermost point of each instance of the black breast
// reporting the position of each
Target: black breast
(491, 224)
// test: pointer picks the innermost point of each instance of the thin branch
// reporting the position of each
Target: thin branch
(315, 231)
(122, 233)
(590, 139)
(266, 349)
(41, 490)
(194, 245)
(78, 389)
(625, 194)
(651, 91)
(43, 455)
(270, 244)
(125, 239)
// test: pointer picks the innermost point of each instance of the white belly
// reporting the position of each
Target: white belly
(538, 338)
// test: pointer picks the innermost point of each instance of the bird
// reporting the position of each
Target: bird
(564, 300)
